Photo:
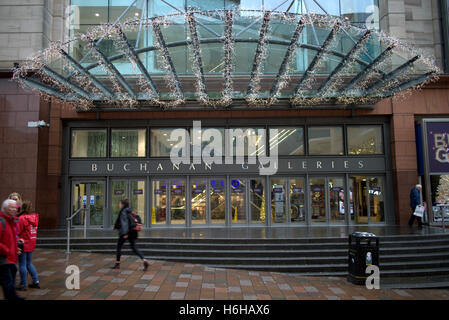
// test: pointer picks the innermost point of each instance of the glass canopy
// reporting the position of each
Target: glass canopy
(229, 58)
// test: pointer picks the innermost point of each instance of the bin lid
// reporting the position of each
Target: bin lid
(363, 235)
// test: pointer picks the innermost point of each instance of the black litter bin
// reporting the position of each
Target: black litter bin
(363, 251)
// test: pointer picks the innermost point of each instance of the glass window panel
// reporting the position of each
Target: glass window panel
(178, 201)
(217, 200)
(376, 199)
(245, 59)
(361, 11)
(257, 200)
(275, 56)
(159, 8)
(128, 143)
(89, 143)
(212, 56)
(357, 197)
(238, 201)
(278, 201)
(297, 204)
(198, 191)
(365, 140)
(117, 7)
(199, 147)
(317, 199)
(159, 199)
(160, 144)
(205, 5)
(289, 140)
(325, 140)
(336, 199)
(137, 197)
(240, 135)
(88, 12)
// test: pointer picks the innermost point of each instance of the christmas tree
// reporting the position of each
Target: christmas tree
(443, 190)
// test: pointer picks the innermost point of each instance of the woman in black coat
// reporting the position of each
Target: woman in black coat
(125, 233)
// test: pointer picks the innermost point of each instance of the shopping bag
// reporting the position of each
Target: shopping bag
(419, 211)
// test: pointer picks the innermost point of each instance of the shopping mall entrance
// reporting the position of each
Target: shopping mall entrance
(233, 201)
(325, 174)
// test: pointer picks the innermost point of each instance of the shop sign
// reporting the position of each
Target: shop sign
(438, 146)
(284, 166)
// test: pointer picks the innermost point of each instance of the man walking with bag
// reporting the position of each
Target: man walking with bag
(415, 200)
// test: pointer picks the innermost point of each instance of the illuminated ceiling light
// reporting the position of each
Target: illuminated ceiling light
(97, 14)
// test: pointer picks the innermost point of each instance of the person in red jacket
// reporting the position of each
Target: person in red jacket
(8, 249)
(27, 232)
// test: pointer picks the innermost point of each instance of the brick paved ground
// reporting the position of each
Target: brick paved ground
(168, 280)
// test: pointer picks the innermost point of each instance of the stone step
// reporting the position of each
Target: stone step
(256, 246)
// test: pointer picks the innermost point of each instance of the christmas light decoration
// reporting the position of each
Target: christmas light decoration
(394, 70)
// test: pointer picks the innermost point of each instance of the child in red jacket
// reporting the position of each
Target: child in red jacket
(27, 232)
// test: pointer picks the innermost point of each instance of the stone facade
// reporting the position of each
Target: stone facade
(27, 26)
(414, 21)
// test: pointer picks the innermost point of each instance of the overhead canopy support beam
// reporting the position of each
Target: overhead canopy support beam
(274, 92)
(411, 83)
(138, 62)
(197, 56)
(350, 55)
(112, 69)
(253, 81)
(160, 39)
(57, 77)
(227, 46)
(47, 89)
(87, 74)
(392, 75)
(386, 53)
(317, 57)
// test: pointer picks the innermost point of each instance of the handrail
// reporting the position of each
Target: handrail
(69, 226)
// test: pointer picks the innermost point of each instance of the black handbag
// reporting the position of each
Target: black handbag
(20, 245)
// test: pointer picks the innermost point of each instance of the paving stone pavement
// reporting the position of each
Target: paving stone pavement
(170, 280)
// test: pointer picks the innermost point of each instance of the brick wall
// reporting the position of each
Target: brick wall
(18, 143)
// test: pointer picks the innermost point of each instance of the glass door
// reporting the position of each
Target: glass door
(159, 202)
(177, 202)
(132, 189)
(336, 189)
(257, 200)
(238, 201)
(217, 200)
(88, 197)
(376, 199)
(119, 191)
(137, 197)
(79, 202)
(278, 201)
(297, 204)
(198, 191)
(358, 199)
(317, 199)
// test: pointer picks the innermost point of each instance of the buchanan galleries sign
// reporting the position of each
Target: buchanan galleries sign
(281, 166)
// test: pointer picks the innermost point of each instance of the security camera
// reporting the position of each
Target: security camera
(37, 124)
